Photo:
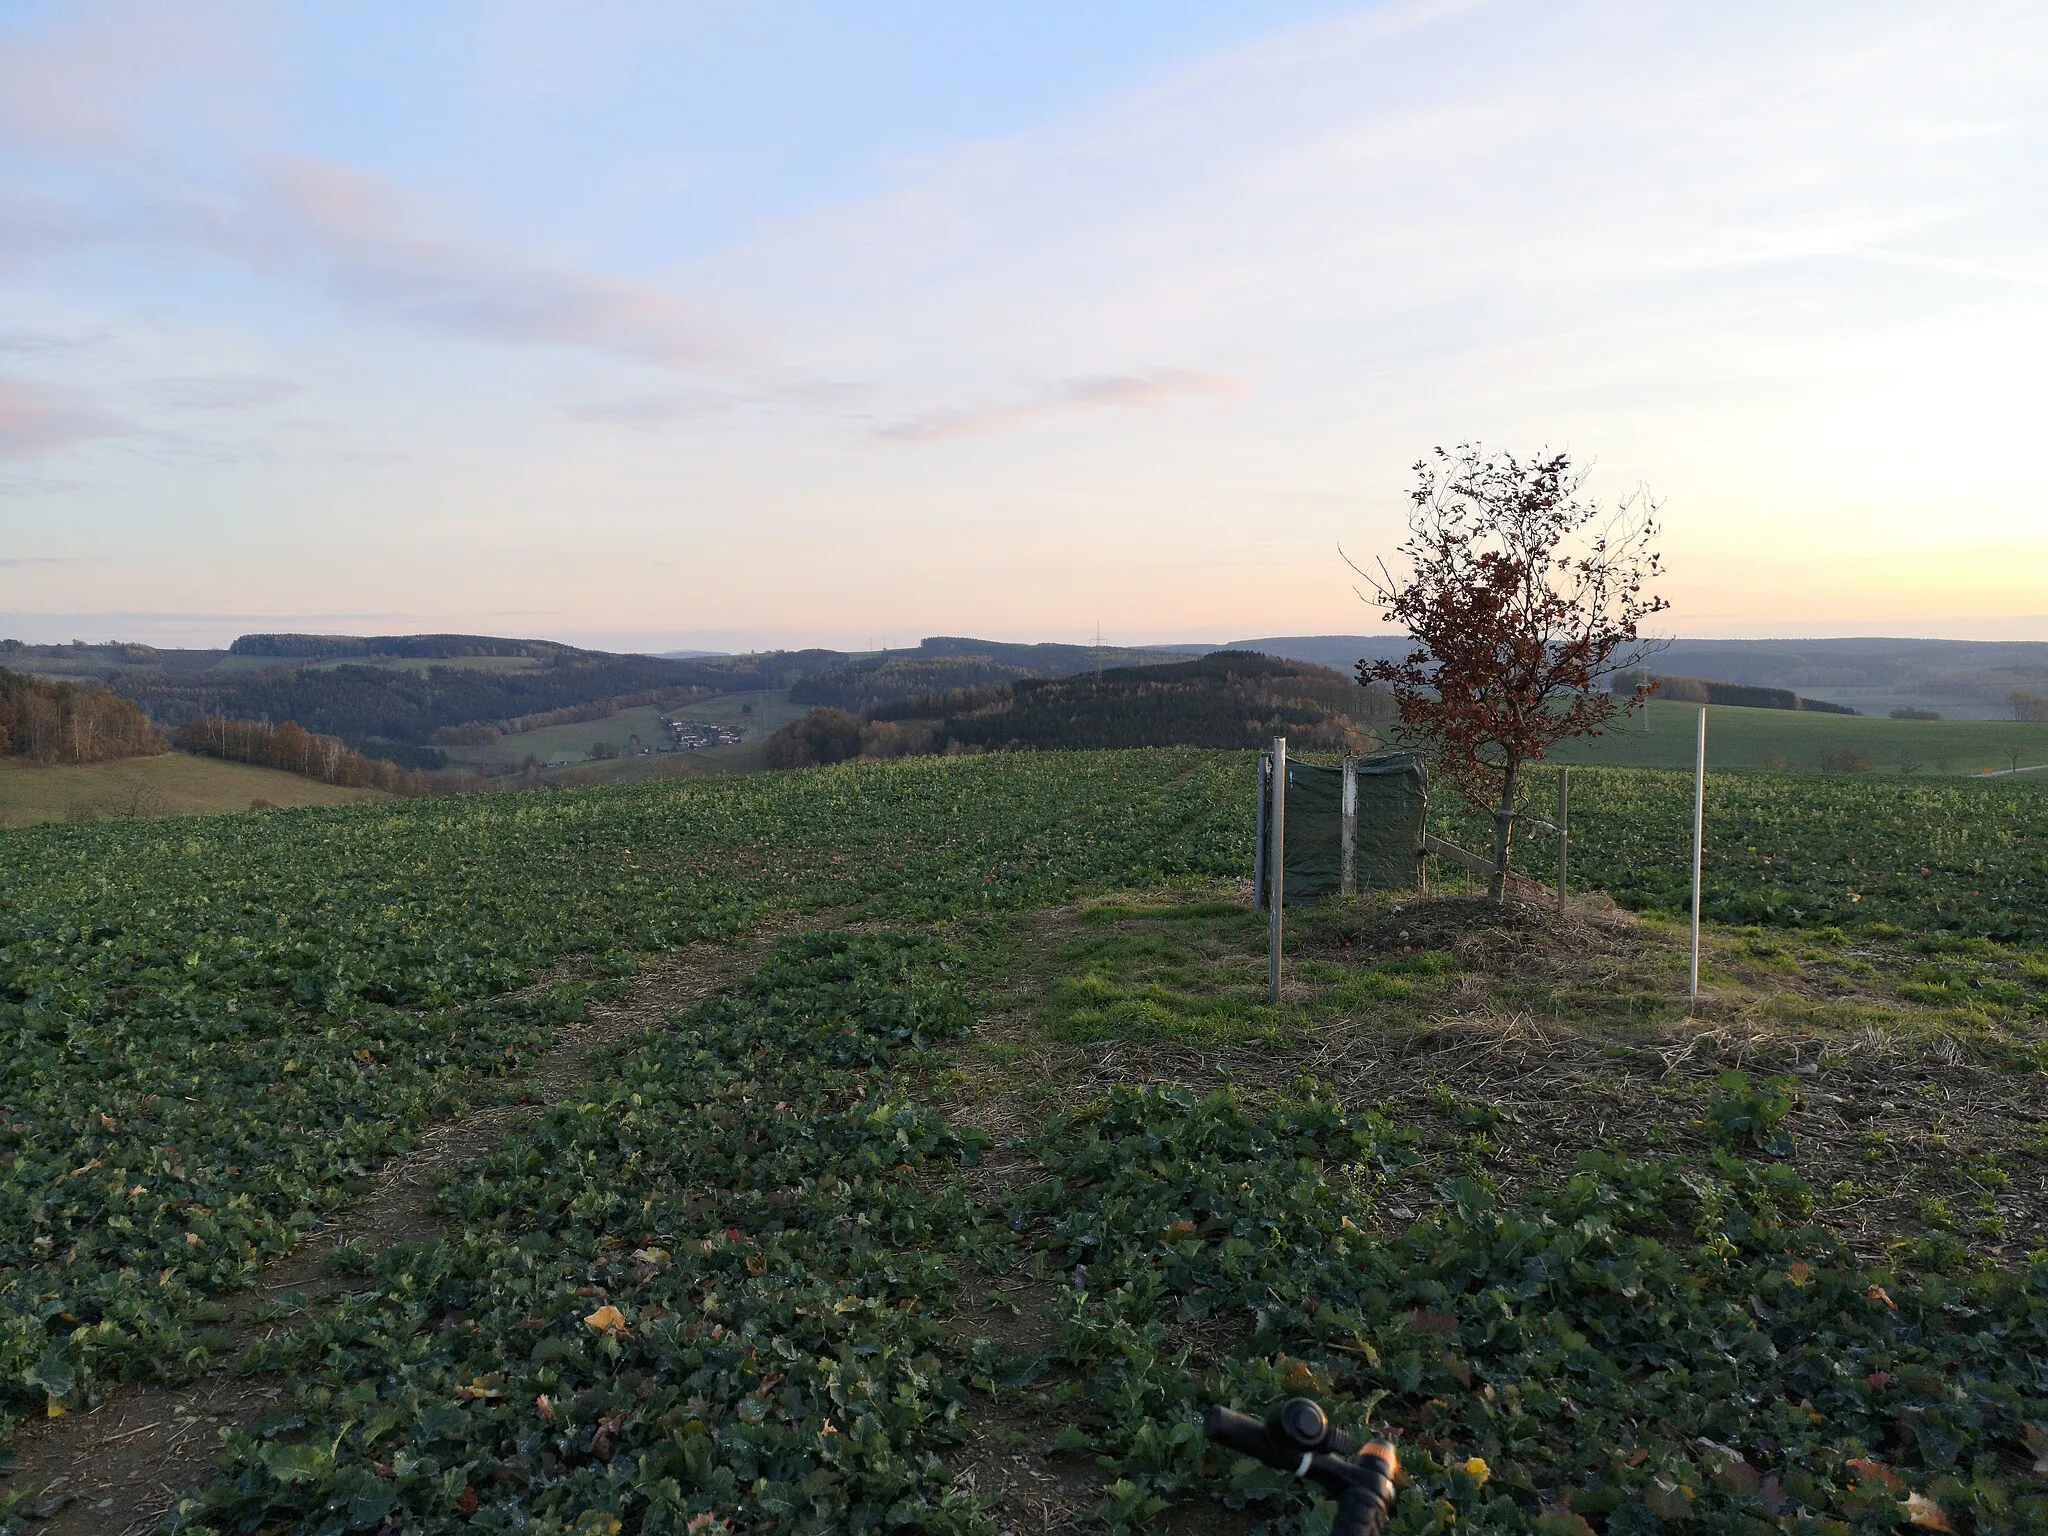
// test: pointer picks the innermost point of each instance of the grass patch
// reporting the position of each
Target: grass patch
(141, 788)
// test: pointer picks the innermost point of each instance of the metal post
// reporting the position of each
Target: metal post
(1564, 832)
(1699, 827)
(1347, 830)
(1276, 845)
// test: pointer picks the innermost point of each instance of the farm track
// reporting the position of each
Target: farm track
(121, 1466)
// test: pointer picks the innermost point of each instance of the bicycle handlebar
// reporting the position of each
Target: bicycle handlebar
(1297, 1437)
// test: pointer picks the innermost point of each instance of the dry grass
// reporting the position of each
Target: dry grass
(1541, 1034)
(169, 784)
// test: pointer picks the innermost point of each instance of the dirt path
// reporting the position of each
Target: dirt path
(121, 1466)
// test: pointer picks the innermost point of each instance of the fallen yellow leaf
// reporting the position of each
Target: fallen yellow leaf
(1477, 1469)
(1925, 1513)
(55, 1409)
(608, 1319)
(1799, 1272)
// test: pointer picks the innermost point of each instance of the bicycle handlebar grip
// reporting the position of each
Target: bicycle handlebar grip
(1240, 1431)
(1368, 1500)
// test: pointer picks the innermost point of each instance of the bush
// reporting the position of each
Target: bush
(1909, 713)
(1847, 760)
(822, 736)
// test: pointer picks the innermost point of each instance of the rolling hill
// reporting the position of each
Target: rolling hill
(1960, 679)
(1229, 699)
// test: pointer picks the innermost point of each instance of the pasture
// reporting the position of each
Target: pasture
(1783, 740)
(560, 744)
(940, 1160)
(759, 714)
(168, 784)
(565, 749)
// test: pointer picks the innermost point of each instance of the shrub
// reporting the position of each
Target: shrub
(1847, 760)
(1910, 713)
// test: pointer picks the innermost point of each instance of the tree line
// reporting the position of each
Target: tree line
(1702, 690)
(70, 722)
(293, 749)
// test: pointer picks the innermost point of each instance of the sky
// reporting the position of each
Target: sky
(745, 326)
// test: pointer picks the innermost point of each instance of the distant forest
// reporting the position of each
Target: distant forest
(70, 723)
(1700, 690)
(394, 713)
(1228, 699)
(948, 662)
(297, 751)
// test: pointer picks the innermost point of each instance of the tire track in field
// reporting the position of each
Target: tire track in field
(122, 1465)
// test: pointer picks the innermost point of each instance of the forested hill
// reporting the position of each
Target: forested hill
(1229, 699)
(393, 712)
(304, 648)
(945, 662)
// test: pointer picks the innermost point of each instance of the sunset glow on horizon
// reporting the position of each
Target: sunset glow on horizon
(653, 327)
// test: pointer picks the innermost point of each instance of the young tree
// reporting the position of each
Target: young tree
(1523, 598)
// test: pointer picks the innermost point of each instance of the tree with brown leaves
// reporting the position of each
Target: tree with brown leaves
(1523, 597)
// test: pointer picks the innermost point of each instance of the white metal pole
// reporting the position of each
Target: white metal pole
(1347, 829)
(1699, 827)
(1564, 830)
(1276, 867)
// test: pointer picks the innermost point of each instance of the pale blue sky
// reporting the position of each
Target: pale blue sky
(749, 325)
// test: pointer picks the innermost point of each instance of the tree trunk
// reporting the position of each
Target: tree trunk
(1503, 833)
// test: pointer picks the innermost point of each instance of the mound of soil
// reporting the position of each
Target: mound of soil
(1513, 937)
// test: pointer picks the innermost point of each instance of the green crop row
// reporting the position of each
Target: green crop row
(725, 1294)
(1968, 856)
(216, 1028)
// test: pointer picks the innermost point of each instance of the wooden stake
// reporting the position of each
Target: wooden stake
(1699, 827)
(1276, 869)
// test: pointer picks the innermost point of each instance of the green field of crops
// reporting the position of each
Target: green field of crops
(1664, 735)
(1967, 856)
(218, 1025)
(655, 1304)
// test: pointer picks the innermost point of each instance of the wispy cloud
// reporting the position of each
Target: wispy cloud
(375, 252)
(77, 83)
(378, 258)
(651, 411)
(35, 485)
(225, 393)
(37, 420)
(1094, 392)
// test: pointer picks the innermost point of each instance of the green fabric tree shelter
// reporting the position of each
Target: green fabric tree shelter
(1376, 847)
